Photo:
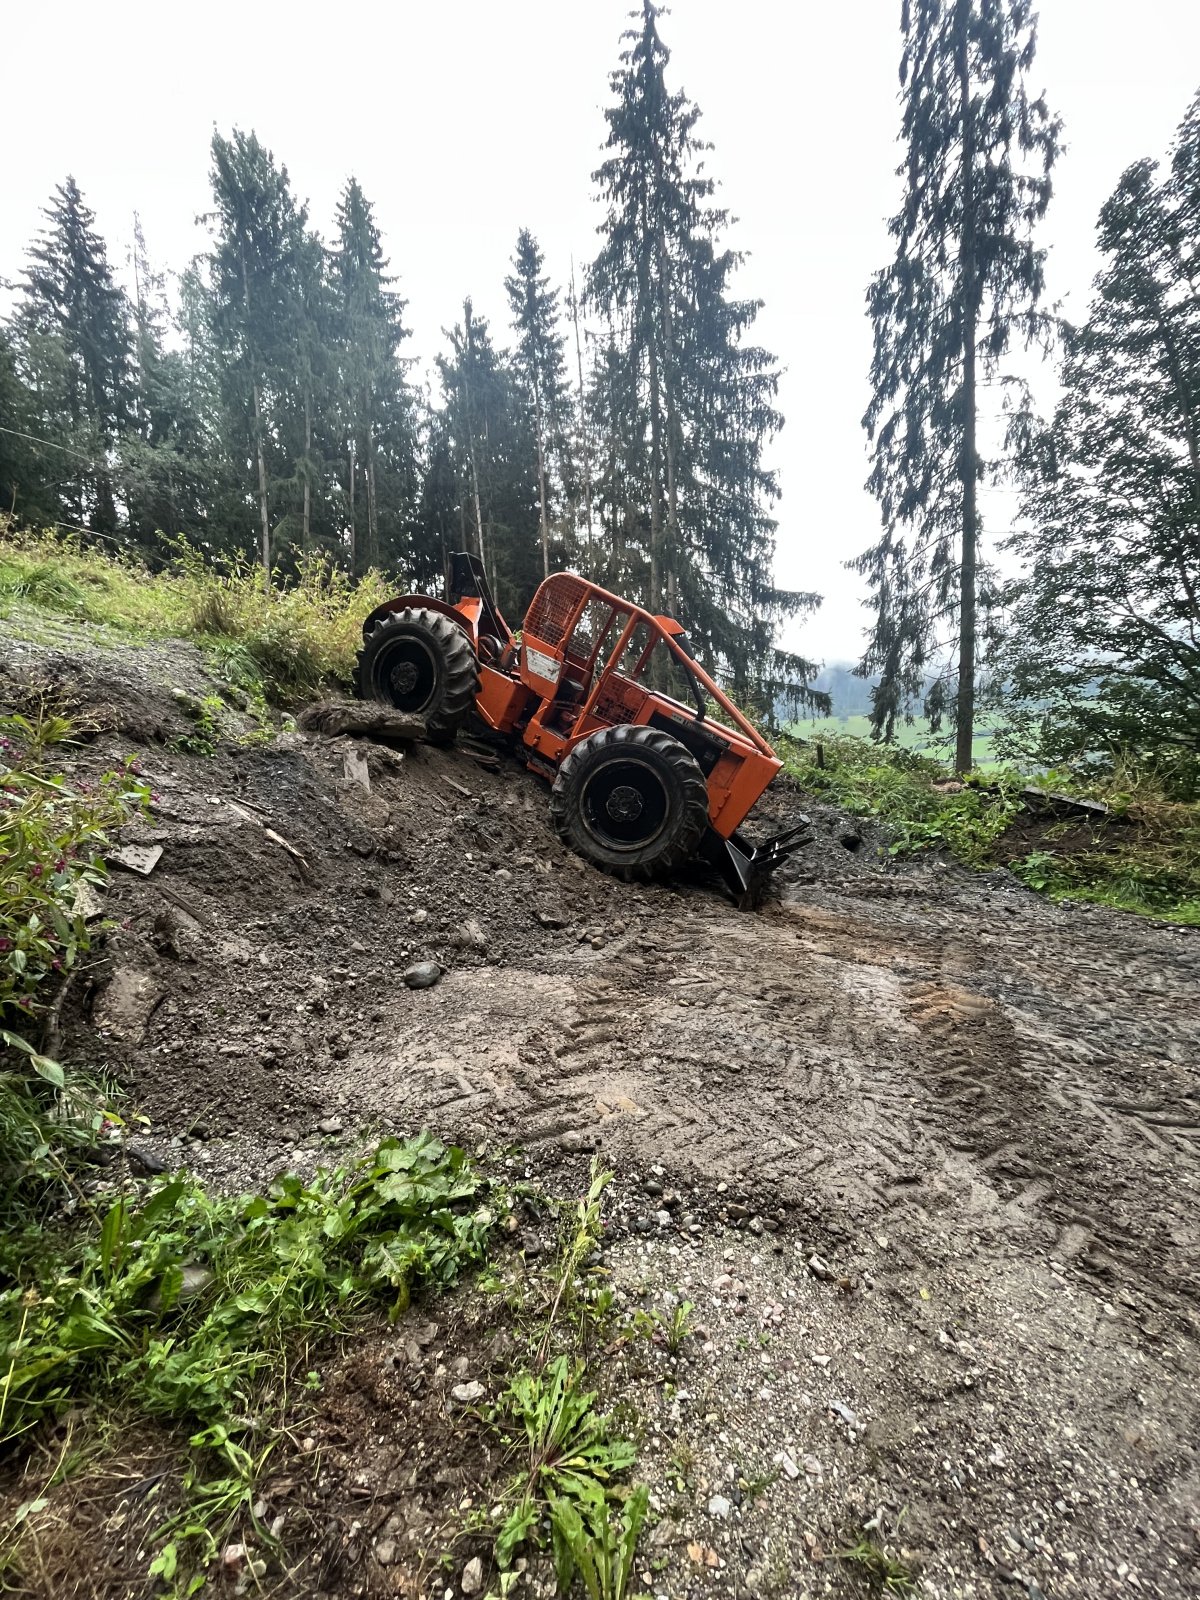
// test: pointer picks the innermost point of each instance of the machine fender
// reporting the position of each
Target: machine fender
(405, 602)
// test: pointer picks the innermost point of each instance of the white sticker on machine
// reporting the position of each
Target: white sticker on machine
(542, 666)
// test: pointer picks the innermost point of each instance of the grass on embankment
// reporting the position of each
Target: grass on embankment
(1144, 857)
(282, 643)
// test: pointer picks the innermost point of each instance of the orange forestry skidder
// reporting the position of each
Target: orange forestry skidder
(641, 781)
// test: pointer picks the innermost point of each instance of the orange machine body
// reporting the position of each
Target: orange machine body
(579, 665)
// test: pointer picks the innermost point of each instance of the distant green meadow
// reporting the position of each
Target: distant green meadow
(914, 736)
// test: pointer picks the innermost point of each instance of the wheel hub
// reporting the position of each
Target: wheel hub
(625, 803)
(404, 677)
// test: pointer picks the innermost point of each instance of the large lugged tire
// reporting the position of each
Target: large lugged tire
(421, 662)
(632, 800)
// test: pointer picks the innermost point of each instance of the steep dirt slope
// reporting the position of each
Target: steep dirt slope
(976, 1113)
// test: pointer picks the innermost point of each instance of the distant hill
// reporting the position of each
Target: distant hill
(851, 695)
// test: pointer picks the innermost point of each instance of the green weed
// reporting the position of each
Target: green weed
(668, 1328)
(571, 1454)
(187, 1301)
(205, 715)
(51, 838)
(884, 1572)
(200, 1310)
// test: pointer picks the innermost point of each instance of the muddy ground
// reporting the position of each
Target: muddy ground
(921, 1147)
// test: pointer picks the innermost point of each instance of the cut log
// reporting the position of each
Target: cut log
(364, 717)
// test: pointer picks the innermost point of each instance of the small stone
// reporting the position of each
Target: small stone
(663, 1218)
(358, 947)
(385, 1552)
(144, 1160)
(789, 1466)
(755, 1225)
(819, 1267)
(472, 1576)
(332, 1125)
(719, 1507)
(423, 975)
(289, 1135)
(467, 1393)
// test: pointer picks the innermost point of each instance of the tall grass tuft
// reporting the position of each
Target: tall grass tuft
(297, 635)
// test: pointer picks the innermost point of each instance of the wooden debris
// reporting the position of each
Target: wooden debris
(1041, 800)
(458, 788)
(365, 717)
(277, 838)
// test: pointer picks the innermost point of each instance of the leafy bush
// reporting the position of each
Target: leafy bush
(185, 1303)
(51, 838)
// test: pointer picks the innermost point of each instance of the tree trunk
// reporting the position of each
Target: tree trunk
(656, 553)
(466, 390)
(372, 502)
(965, 702)
(584, 442)
(670, 390)
(352, 463)
(263, 503)
(260, 453)
(541, 468)
(306, 533)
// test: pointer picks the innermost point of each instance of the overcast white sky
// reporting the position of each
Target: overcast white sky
(465, 120)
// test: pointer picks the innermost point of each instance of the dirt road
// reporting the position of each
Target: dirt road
(917, 1144)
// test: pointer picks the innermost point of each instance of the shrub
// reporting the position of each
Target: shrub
(51, 839)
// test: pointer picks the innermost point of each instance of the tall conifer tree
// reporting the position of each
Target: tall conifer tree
(78, 352)
(1104, 650)
(695, 397)
(966, 278)
(540, 366)
(377, 411)
(255, 264)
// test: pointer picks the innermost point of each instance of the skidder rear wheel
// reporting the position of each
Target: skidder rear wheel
(632, 800)
(421, 662)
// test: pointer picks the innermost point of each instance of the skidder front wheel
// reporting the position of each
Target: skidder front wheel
(632, 800)
(421, 662)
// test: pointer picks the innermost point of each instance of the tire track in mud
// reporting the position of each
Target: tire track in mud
(893, 1064)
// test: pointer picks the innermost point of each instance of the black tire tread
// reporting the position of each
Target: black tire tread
(693, 811)
(460, 684)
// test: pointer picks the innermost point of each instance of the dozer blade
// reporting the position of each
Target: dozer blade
(744, 868)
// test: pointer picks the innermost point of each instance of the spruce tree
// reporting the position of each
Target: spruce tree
(494, 461)
(164, 475)
(27, 467)
(540, 367)
(690, 405)
(377, 410)
(965, 280)
(78, 353)
(1104, 651)
(255, 264)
